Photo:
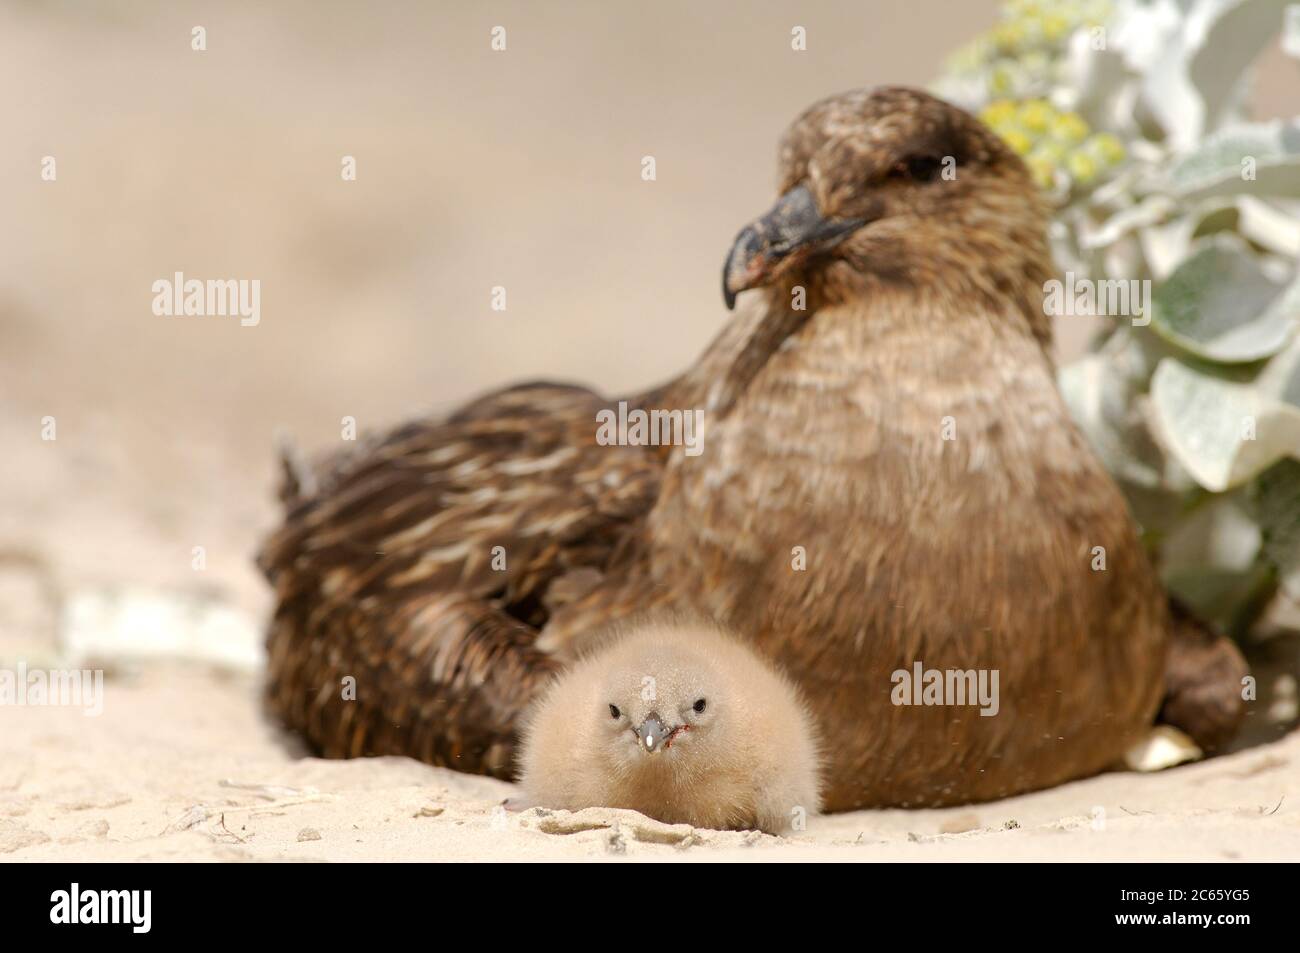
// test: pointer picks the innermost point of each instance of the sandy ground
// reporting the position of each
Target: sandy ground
(180, 766)
(475, 170)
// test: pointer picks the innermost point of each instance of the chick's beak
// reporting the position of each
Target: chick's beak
(794, 224)
(652, 733)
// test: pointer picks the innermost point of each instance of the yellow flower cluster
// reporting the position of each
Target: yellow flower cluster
(1025, 49)
(1053, 142)
(1033, 24)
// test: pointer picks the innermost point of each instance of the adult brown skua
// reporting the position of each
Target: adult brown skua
(888, 477)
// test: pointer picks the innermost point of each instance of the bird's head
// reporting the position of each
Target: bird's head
(890, 183)
(662, 709)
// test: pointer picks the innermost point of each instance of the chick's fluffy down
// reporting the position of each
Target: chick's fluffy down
(749, 760)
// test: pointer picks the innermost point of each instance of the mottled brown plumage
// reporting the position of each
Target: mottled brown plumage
(386, 574)
(824, 435)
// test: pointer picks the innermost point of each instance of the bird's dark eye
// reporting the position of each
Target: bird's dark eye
(613, 711)
(699, 706)
(919, 168)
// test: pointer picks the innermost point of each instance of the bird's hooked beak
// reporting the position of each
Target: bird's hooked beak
(793, 225)
(652, 733)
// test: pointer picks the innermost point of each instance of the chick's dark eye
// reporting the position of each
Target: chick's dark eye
(613, 711)
(699, 706)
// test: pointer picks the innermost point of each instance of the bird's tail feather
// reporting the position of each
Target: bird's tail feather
(297, 477)
(1204, 672)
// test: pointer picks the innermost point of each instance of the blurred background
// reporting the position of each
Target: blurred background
(475, 169)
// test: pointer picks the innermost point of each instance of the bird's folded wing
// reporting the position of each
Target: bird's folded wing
(424, 566)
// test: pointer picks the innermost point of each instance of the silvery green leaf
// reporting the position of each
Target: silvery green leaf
(1152, 39)
(1280, 615)
(1119, 113)
(1224, 163)
(1124, 257)
(1214, 216)
(1220, 597)
(1221, 535)
(1099, 390)
(1221, 431)
(1157, 510)
(1165, 246)
(1220, 305)
(1092, 79)
(1192, 57)
(1169, 96)
(1143, 31)
(1144, 150)
(1280, 377)
(1150, 211)
(1118, 191)
(1291, 31)
(1231, 35)
(1264, 223)
(1276, 496)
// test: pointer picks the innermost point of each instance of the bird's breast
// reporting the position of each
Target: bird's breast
(902, 468)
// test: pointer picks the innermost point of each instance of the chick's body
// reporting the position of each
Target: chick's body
(679, 722)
